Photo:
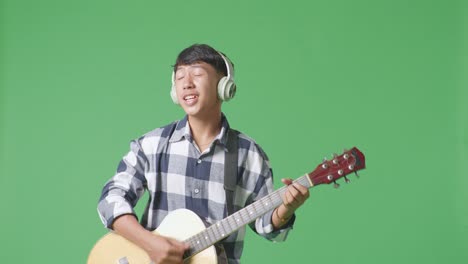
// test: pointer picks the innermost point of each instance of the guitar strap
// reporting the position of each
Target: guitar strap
(230, 169)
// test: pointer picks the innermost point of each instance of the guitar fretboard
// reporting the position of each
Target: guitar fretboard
(230, 224)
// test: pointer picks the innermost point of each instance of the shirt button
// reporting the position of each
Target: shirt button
(196, 190)
(198, 161)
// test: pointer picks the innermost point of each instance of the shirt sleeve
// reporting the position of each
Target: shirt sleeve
(264, 186)
(121, 193)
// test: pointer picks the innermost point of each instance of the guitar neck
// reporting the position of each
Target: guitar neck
(230, 224)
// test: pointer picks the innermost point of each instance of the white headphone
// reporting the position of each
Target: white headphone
(226, 85)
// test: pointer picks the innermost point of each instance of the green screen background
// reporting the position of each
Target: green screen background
(80, 79)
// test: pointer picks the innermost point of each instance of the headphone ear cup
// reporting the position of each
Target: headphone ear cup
(174, 95)
(226, 89)
(173, 91)
(231, 89)
(222, 88)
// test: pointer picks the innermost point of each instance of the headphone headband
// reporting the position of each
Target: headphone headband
(229, 67)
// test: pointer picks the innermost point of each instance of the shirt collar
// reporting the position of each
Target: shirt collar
(182, 131)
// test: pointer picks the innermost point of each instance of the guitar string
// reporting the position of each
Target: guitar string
(204, 240)
(221, 230)
(199, 241)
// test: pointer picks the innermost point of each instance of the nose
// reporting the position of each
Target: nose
(187, 82)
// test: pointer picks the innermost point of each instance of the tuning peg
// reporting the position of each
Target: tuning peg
(346, 180)
(345, 150)
(325, 159)
(357, 175)
(336, 185)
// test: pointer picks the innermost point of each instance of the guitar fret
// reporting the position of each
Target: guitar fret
(225, 229)
(206, 237)
(253, 211)
(203, 238)
(232, 223)
(196, 242)
(270, 199)
(222, 229)
(214, 231)
(261, 208)
(277, 197)
(257, 209)
(211, 234)
(199, 241)
(238, 219)
(191, 249)
(241, 219)
(243, 214)
(261, 204)
(219, 226)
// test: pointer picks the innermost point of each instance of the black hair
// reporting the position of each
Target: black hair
(202, 53)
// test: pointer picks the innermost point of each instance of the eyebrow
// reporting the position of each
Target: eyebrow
(195, 65)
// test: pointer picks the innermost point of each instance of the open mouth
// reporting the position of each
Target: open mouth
(191, 98)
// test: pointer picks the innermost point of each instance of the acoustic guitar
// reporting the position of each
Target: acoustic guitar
(185, 225)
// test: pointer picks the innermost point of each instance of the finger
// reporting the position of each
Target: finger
(178, 245)
(291, 201)
(293, 191)
(286, 181)
(297, 196)
(287, 199)
(174, 260)
(174, 257)
(302, 189)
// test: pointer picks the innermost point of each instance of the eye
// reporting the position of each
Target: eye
(179, 76)
(198, 72)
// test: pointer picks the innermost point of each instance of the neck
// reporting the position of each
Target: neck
(204, 130)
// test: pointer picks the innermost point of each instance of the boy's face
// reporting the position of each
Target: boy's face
(196, 89)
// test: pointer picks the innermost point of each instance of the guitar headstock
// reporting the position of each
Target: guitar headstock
(339, 166)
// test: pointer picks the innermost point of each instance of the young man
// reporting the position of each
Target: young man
(182, 166)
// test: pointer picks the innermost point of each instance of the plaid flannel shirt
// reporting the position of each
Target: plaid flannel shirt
(177, 175)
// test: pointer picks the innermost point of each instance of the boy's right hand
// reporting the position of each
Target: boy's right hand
(166, 250)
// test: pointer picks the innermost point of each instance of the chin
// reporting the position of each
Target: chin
(190, 109)
(199, 112)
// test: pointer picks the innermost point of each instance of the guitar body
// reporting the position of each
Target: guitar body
(179, 224)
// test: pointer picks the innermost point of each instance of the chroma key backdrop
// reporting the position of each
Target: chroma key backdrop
(80, 79)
